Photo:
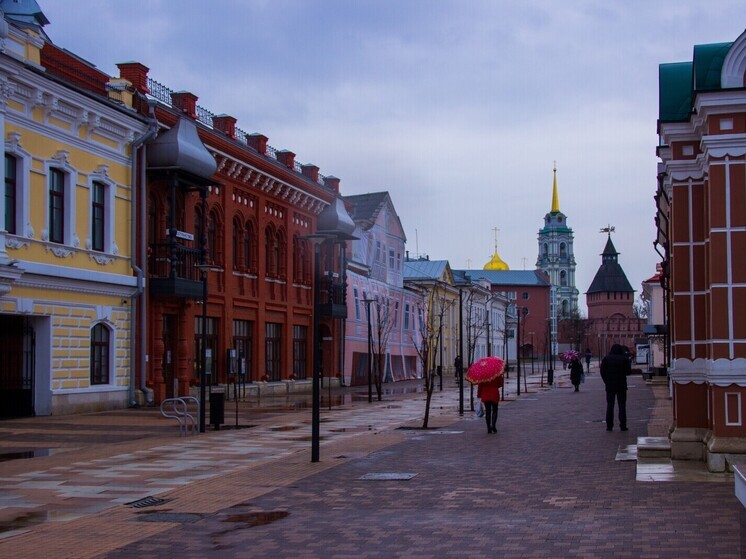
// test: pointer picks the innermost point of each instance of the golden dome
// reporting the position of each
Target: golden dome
(496, 263)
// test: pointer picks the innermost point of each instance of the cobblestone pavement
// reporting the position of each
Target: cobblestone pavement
(548, 484)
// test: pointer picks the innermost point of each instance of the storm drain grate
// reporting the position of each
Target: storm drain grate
(177, 517)
(388, 476)
(148, 501)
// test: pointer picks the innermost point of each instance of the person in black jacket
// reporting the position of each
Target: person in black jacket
(615, 368)
(576, 372)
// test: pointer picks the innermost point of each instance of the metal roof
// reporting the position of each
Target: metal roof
(509, 277)
(424, 269)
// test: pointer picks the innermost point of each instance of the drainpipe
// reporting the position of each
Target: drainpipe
(138, 306)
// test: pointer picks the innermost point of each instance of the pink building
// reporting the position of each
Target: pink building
(375, 284)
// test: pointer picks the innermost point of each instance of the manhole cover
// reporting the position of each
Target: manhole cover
(179, 518)
(388, 476)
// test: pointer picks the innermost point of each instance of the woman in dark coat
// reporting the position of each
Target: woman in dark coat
(576, 372)
(489, 393)
(615, 368)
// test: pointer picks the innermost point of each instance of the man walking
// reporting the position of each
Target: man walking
(615, 368)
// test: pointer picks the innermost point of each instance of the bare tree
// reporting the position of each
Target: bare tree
(429, 341)
(475, 327)
(384, 324)
(640, 309)
(573, 329)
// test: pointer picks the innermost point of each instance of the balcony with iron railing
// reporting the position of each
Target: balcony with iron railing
(173, 271)
(332, 297)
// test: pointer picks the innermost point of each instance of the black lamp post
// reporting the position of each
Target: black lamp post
(332, 223)
(370, 350)
(520, 311)
(460, 362)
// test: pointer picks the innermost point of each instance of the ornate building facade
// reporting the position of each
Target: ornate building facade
(66, 276)
(701, 223)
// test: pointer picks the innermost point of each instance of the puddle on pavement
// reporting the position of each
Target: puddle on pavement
(24, 454)
(262, 518)
(34, 518)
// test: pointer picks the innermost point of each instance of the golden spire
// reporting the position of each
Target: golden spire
(496, 263)
(555, 194)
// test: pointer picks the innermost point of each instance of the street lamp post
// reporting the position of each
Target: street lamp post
(460, 367)
(370, 350)
(533, 353)
(524, 312)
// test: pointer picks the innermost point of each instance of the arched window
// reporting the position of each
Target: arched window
(565, 307)
(249, 247)
(546, 250)
(563, 250)
(272, 252)
(99, 354)
(301, 272)
(563, 278)
(282, 250)
(238, 239)
(212, 238)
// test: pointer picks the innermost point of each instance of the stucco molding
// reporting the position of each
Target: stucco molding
(717, 372)
(734, 65)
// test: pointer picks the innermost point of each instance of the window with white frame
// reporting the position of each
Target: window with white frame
(60, 219)
(11, 193)
(101, 213)
(100, 340)
(357, 303)
(406, 316)
(16, 199)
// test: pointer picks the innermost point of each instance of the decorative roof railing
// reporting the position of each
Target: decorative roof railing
(163, 94)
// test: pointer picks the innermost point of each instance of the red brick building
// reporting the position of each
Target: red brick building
(701, 222)
(210, 186)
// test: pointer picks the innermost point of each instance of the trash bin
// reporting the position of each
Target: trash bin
(217, 408)
(550, 376)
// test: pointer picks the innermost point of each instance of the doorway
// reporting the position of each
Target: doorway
(17, 350)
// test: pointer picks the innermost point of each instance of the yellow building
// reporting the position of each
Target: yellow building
(66, 278)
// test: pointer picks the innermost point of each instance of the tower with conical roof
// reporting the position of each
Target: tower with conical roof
(610, 293)
(556, 258)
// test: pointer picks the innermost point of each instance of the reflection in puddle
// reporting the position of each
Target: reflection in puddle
(252, 519)
(34, 518)
(23, 454)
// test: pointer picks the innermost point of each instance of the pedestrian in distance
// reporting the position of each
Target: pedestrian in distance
(576, 372)
(489, 393)
(588, 355)
(615, 368)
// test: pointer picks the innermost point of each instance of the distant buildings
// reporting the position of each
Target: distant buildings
(610, 299)
(376, 294)
(701, 219)
(557, 260)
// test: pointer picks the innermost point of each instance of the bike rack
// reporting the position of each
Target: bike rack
(178, 409)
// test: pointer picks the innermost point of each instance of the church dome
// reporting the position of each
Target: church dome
(496, 263)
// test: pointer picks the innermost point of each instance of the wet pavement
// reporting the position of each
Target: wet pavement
(551, 483)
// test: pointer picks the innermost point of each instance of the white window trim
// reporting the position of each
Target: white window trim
(59, 161)
(109, 353)
(100, 176)
(23, 172)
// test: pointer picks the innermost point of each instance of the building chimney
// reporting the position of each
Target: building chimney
(136, 74)
(186, 102)
(226, 124)
(332, 182)
(258, 142)
(287, 158)
(310, 171)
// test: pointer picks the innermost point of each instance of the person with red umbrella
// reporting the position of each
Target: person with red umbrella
(487, 374)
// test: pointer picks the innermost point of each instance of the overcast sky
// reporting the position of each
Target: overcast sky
(457, 108)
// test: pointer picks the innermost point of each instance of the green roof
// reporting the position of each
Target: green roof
(675, 91)
(708, 65)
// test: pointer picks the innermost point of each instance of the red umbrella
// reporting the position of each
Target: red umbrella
(485, 370)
